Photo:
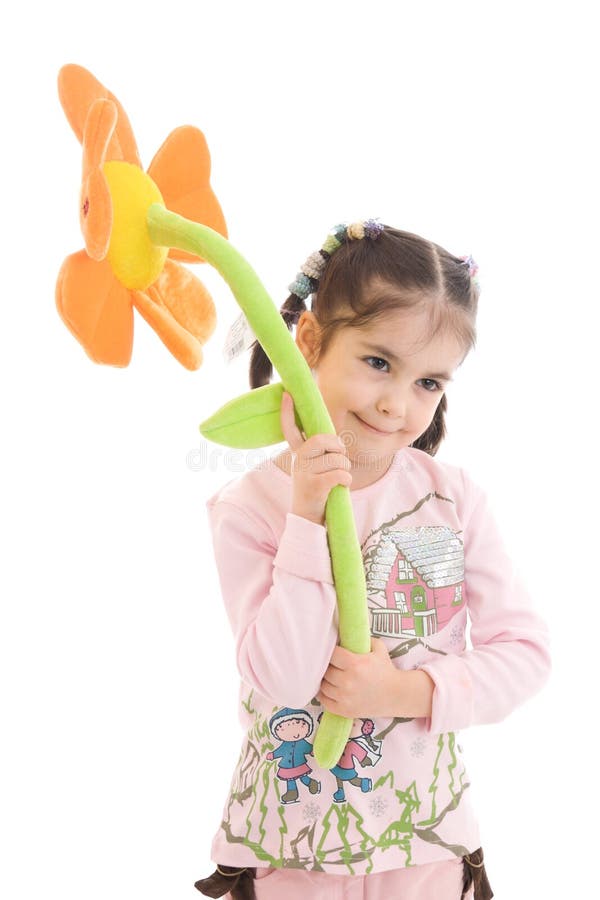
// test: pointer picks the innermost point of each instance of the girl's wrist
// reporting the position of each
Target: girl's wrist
(412, 694)
(312, 517)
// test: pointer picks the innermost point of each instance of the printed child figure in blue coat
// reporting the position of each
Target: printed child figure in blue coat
(292, 727)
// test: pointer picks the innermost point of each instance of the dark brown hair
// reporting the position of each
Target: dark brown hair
(239, 883)
(366, 279)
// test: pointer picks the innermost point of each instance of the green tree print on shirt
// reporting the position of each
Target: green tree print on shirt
(336, 834)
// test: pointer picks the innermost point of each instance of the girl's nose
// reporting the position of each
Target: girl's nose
(392, 406)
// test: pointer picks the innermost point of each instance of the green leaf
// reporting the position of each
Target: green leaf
(252, 420)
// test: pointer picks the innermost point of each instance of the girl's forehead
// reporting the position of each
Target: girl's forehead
(405, 335)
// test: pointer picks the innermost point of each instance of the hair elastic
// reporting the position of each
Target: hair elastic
(230, 874)
(472, 864)
(473, 268)
(307, 279)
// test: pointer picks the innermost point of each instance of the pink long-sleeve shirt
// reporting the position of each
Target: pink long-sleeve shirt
(434, 561)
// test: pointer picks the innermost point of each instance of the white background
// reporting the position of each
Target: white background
(473, 124)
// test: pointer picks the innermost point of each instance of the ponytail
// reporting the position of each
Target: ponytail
(429, 442)
(235, 882)
(261, 367)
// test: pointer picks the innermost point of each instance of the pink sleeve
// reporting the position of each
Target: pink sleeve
(280, 601)
(510, 659)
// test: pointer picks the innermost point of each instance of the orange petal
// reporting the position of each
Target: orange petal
(77, 90)
(181, 171)
(96, 309)
(95, 210)
(96, 214)
(181, 311)
(100, 124)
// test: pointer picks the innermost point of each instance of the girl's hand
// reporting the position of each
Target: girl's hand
(368, 685)
(319, 463)
(361, 685)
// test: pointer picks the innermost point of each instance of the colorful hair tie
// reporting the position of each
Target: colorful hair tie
(373, 229)
(314, 265)
(473, 267)
(302, 286)
(307, 279)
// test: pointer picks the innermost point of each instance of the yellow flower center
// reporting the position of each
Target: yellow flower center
(134, 259)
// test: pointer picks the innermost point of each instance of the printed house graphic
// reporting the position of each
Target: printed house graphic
(415, 580)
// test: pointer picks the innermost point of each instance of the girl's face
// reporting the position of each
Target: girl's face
(382, 383)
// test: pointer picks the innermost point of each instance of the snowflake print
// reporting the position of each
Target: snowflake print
(311, 812)
(417, 748)
(457, 635)
(378, 806)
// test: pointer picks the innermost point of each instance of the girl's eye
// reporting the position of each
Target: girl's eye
(378, 359)
(430, 384)
(436, 385)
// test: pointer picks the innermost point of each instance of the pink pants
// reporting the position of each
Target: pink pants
(434, 881)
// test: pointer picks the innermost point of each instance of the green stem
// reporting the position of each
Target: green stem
(168, 229)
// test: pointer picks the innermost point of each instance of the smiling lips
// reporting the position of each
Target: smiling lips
(372, 428)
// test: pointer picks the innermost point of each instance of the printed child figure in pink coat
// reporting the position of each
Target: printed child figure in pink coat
(362, 748)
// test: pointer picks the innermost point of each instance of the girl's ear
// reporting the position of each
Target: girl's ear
(308, 337)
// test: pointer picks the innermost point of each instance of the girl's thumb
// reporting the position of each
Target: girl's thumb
(377, 645)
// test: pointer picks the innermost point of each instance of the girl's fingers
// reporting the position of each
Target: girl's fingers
(316, 445)
(331, 480)
(326, 466)
(291, 432)
(329, 692)
(341, 658)
(331, 678)
(325, 443)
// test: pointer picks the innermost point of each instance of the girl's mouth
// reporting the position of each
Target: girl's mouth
(371, 429)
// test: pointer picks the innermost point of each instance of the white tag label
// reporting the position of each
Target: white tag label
(240, 338)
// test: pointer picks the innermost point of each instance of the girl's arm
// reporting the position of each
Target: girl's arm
(280, 601)
(510, 659)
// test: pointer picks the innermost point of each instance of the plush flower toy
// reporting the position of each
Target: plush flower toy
(135, 225)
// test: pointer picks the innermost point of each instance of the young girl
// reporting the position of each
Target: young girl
(392, 317)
